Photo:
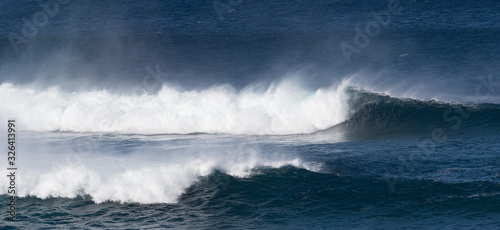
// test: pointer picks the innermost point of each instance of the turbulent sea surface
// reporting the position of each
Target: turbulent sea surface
(251, 115)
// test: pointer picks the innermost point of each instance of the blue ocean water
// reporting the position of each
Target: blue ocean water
(252, 115)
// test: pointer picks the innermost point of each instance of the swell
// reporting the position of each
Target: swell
(282, 186)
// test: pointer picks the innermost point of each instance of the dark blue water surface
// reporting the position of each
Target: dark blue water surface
(122, 113)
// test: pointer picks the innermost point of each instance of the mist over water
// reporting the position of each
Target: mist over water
(285, 108)
(119, 47)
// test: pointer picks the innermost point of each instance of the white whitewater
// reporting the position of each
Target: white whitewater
(284, 108)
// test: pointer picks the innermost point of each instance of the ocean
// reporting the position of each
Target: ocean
(242, 114)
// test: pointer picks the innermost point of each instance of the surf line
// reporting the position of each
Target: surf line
(11, 158)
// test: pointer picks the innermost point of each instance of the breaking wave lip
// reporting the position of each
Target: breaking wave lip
(284, 108)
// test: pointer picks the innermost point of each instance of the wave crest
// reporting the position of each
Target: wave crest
(285, 108)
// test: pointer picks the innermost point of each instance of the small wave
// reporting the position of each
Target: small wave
(138, 178)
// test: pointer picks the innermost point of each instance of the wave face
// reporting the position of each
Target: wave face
(285, 108)
(374, 114)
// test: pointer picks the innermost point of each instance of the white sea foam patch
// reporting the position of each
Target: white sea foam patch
(139, 178)
(285, 108)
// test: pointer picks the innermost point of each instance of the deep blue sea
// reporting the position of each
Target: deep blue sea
(243, 114)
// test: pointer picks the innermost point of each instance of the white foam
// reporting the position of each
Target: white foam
(137, 177)
(285, 108)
